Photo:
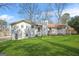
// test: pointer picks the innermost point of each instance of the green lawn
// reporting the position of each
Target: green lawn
(42, 46)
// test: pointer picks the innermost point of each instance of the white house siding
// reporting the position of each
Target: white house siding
(32, 32)
(62, 31)
(24, 30)
(21, 27)
(53, 31)
(45, 27)
(44, 30)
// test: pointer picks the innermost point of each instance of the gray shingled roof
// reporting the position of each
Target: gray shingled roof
(27, 21)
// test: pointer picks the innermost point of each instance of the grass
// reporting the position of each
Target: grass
(42, 46)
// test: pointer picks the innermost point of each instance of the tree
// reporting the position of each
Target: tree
(74, 22)
(65, 18)
(3, 25)
(28, 10)
(59, 7)
(46, 14)
(47, 11)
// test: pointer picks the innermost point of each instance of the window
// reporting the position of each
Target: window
(26, 34)
(22, 26)
(32, 26)
(50, 28)
(17, 27)
(26, 27)
(39, 29)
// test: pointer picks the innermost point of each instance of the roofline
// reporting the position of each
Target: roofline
(56, 25)
(20, 21)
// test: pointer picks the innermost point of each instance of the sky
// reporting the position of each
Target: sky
(11, 14)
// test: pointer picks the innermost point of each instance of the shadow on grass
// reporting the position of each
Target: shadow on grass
(4, 46)
(38, 49)
(33, 50)
(72, 49)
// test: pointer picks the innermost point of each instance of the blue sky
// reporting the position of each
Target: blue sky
(12, 14)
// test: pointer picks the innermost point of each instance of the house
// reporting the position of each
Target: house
(60, 29)
(71, 30)
(55, 29)
(24, 29)
(19, 29)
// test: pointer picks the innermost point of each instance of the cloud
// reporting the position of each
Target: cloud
(8, 18)
(73, 12)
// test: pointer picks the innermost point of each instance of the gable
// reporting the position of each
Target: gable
(14, 23)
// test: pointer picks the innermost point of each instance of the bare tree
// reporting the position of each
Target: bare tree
(3, 23)
(46, 14)
(28, 10)
(48, 11)
(65, 18)
(59, 7)
(3, 27)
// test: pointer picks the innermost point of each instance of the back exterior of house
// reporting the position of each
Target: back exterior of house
(57, 29)
(25, 29)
